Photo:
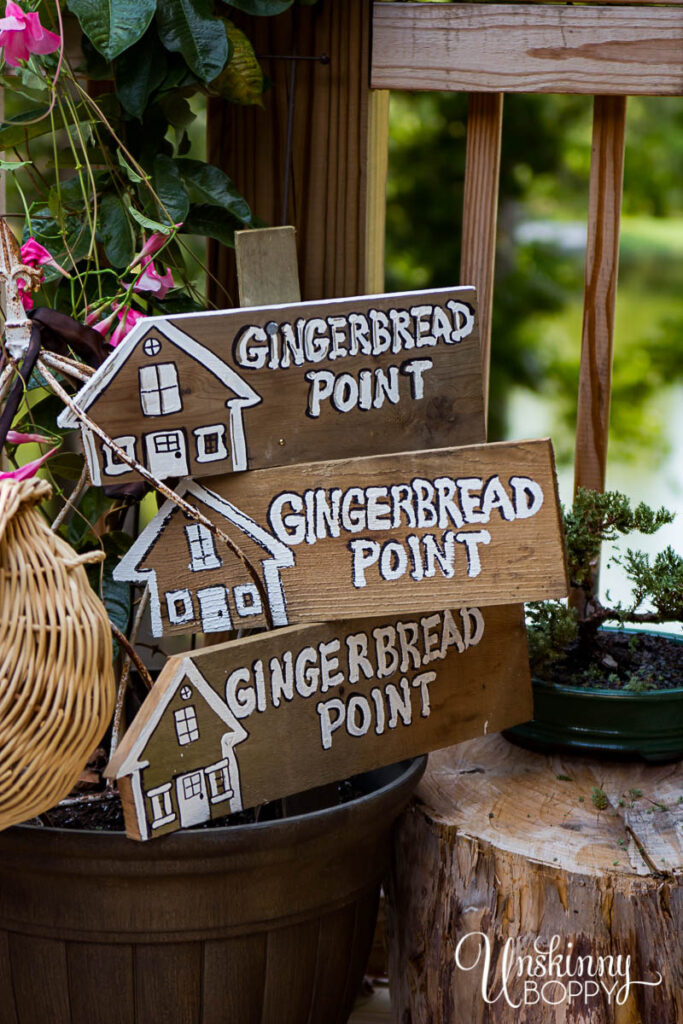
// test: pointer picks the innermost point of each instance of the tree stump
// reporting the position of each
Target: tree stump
(535, 851)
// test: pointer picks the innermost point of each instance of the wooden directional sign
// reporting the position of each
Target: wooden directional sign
(214, 393)
(334, 540)
(231, 726)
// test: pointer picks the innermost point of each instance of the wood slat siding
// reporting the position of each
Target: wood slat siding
(340, 141)
(528, 48)
(602, 264)
(480, 212)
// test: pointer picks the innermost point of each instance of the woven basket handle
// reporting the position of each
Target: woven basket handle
(16, 494)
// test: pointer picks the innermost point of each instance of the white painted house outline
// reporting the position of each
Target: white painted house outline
(134, 762)
(244, 394)
(282, 557)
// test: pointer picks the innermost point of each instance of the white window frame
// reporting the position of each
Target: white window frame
(162, 808)
(194, 780)
(201, 434)
(110, 463)
(179, 618)
(186, 724)
(159, 389)
(202, 547)
(212, 772)
(245, 610)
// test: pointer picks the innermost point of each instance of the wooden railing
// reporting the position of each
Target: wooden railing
(339, 133)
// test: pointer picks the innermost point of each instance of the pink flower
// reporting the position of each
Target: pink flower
(30, 469)
(152, 245)
(21, 34)
(14, 437)
(127, 320)
(150, 280)
(24, 294)
(103, 325)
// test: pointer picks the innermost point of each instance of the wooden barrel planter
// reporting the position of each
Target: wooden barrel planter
(269, 922)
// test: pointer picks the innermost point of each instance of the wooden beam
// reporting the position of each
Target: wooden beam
(480, 212)
(340, 133)
(602, 262)
(528, 48)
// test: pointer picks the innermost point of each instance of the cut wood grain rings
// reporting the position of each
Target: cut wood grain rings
(56, 674)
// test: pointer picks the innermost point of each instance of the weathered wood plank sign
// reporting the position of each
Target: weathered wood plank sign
(213, 393)
(334, 540)
(231, 726)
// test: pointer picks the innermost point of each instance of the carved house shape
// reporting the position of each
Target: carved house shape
(187, 581)
(176, 764)
(178, 382)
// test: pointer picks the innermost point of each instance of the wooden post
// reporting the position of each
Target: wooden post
(339, 145)
(602, 261)
(480, 211)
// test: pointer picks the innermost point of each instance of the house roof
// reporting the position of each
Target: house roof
(128, 568)
(129, 756)
(244, 393)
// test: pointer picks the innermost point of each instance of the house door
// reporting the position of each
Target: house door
(192, 799)
(167, 453)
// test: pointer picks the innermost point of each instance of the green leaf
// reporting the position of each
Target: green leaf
(189, 27)
(14, 131)
(208, 184)
(241, 80)
(130, 173)
(146, 222)
(170, 188)
(14, 165)
(211, 222)
(67, 465)
(115, 231)
(116, 596)
(113, 25)
(139, 72)
(263, 8)
(92, 505)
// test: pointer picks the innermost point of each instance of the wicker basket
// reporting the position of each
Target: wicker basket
(56, 674)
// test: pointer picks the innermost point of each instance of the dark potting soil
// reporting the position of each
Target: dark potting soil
(103, 812)
(634, 662)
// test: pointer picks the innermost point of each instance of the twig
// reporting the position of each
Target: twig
(123, 681)
(133, 655)
(184, 506)
(69, 367)
(72, 500)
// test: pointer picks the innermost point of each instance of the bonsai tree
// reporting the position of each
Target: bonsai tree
(566, 643)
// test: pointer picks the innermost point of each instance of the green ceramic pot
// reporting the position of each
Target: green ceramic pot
(605, 722)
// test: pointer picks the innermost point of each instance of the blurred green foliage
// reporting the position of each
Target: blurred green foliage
(537, 313)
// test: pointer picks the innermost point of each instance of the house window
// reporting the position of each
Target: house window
(180, 608)
(152, 347)
(219, 781)
(162, 808)
(112, 464)
(167, 443)
(192, 786)
(159, 389)
(202, 548)
(211, 443)
(186, 692)
(186, 726)
(247, 600)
